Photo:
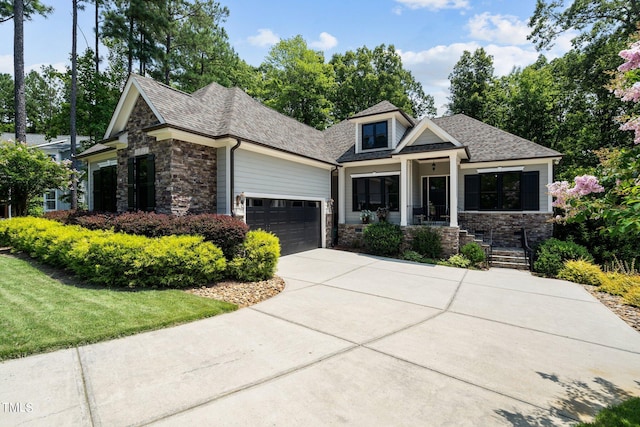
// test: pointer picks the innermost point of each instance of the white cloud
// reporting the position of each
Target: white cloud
(505, 29)
(58, 66)
(432, 67)
(435, 4)
(265, 37)
(326, 42)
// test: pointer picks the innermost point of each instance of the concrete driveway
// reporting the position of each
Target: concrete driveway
(354, 340)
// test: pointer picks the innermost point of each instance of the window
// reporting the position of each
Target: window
(503, 191)
(141, 183)
(50, 200)
(374, 135)
(374, 192)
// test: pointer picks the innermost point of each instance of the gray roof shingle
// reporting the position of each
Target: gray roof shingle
(487, 143)
(217, 111)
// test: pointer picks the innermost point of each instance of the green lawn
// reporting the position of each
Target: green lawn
(626, 414)
(39, 313)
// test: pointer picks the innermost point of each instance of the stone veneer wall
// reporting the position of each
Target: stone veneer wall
(193, 180)
(504, 225)
(141, 117)
(186, 173)
(351, 235)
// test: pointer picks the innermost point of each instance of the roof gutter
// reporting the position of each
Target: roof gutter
(232, 175)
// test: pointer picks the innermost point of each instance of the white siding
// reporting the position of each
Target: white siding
(258, 173)
(354, 217)
(427, 137)
(400, 131)
(221, 198)
(544, 178)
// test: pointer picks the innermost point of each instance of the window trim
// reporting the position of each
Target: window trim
(474, 194)
(361, 139)
(384, 195)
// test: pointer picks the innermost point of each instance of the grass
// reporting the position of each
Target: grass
(39, 312)
(626, 414)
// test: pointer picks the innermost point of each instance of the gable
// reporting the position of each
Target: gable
(128, 100)
(428, 137)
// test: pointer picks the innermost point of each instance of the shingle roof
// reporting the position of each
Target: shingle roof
(218, 111)
(381, 108)
(487, 143)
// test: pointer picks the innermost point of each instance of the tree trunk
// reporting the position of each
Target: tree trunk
(97, 41)
(72, 109)
(18, 71)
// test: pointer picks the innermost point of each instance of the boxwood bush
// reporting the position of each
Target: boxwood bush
(258, 257)
(427, 242)
(552, 253)
(473, 252)
(116, 259)
(383, 238)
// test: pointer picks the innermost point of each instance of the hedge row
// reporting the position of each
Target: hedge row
(106, 258)
(224, 231)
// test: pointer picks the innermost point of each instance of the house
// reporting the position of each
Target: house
(57, 148)
(218, 150)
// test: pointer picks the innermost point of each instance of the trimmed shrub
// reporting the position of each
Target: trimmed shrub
(619, 283)
(552, 254)
(383, 238)
(412, 256)
(258, 257)
(117, 259)
(632, 297)
(473, 252)
(583, 272)
(224, 231)
(459, 261)
(427, 242)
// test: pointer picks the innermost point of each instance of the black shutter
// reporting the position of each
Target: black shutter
(131, 187)
(151, 182)
(531, 191)
(471, 192)
(97, 191)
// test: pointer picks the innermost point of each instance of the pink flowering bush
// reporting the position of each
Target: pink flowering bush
(569, 199)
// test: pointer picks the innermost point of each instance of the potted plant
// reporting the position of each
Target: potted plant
(365, 216)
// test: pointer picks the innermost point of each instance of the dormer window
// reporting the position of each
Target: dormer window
(375, 136)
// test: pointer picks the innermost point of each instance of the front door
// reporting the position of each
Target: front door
(435, 197)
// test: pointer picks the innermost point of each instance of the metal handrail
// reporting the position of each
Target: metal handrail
(528, 252)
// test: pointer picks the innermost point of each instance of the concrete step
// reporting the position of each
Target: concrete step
(509, 258)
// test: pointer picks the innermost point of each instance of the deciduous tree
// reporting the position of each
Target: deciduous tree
(26, 172)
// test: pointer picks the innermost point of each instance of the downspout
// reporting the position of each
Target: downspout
(334, 207)
(232, 177)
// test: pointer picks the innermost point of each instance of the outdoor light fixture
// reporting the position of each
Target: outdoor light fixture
(433, 166)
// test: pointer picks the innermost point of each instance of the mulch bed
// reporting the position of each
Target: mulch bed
(242, 294)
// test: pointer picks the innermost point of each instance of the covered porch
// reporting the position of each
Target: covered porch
(418, 189)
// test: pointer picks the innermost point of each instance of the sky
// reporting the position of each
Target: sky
(430, 35)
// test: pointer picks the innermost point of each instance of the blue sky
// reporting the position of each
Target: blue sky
(430, 35)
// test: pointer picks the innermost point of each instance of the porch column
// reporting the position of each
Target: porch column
(453, 186)
(404, 190)
(342, 209)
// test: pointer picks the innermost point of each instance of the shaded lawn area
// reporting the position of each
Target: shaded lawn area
(41, 312)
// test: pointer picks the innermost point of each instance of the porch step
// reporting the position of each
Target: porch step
(509, 258)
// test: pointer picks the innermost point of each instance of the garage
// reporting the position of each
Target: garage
(295, 222)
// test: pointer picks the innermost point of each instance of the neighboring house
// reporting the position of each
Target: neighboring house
(219, 150)
(59, 149)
